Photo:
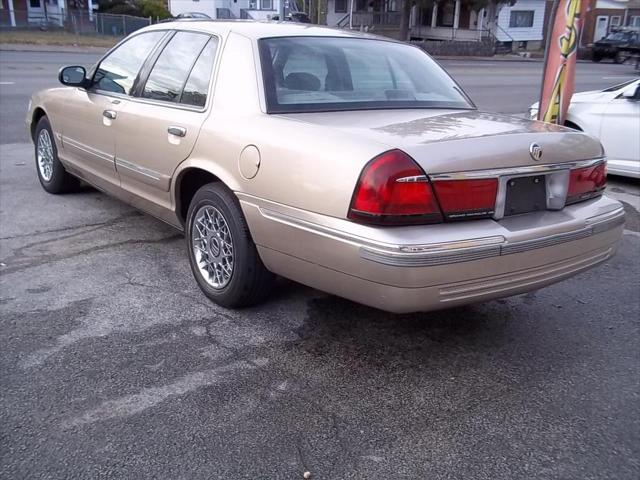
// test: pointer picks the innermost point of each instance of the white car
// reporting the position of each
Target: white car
(613, 116)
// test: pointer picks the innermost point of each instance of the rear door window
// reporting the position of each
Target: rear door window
(197, 87)
(173, 67)
(118, 71)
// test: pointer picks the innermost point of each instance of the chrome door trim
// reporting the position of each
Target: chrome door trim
(66, 141)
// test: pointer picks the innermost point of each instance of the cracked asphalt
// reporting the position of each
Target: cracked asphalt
(114, 365)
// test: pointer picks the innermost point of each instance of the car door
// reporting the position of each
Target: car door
(88, 134)
(158, 130)
(620, 127)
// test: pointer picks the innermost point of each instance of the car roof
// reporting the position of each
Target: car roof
(260, 29)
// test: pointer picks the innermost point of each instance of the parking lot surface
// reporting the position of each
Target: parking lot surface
(114, 365)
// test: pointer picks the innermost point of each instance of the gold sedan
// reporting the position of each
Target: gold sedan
(347, 162)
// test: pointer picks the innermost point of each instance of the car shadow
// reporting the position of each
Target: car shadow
(342, 331)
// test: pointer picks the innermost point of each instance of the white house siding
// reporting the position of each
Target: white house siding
(332, 17)
(202, 6)
(509, 34)
(210, 7)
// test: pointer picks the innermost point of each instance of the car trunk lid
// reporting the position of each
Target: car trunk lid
(444, 141)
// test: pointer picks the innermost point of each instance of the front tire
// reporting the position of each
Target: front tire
(51, 173)
(222, 255)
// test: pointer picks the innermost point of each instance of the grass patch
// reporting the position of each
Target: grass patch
(37, 37)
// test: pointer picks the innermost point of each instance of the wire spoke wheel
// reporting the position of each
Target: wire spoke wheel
(45, 155)
(212, 246)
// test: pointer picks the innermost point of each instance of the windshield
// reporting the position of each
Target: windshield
(619, 36)
(619, 86)
(307, 74)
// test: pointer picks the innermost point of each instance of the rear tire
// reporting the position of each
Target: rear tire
(223, 258)
(51, 173)
(620, 58)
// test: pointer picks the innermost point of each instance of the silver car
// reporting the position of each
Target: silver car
(347, 162)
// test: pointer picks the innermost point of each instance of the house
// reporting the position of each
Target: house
(518, 24)
(25, 13)
(252, 9)
(605, 15)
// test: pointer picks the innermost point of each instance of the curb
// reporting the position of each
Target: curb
(27, 47)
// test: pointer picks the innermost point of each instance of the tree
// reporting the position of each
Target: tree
(137, 8)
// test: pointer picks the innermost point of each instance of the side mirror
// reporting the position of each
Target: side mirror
(74, 76)
(632, 92)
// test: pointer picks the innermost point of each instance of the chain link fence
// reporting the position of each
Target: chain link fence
(76, 22)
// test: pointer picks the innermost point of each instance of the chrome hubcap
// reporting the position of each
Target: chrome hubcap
(212, 246)
(45, 155)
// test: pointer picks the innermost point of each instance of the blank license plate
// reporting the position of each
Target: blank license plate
(525, 194)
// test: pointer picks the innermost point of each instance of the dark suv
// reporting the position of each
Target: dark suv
(616, 45)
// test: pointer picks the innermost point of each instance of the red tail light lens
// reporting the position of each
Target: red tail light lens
(587, 182)
(463, 199)
(393, 190)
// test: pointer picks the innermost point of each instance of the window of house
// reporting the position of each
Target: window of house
(521, 19)
(197, 87)
(615, 21)
(170, 72)
(635, 21)
(446, 13)
(341, 6)
(266, 4)
(117, 72)
(34, 3)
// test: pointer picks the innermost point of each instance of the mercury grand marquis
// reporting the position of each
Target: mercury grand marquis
(348, 162)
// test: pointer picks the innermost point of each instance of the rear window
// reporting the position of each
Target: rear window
(306, 74)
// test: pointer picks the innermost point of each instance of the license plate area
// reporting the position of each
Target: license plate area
(525, 194)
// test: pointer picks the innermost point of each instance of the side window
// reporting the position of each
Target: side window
(197, 87)
(118, 71)
(173, 66)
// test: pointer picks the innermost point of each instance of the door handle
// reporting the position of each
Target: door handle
(177, 131)
(110, 114)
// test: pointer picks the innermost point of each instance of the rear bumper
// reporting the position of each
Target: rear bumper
(411, 269)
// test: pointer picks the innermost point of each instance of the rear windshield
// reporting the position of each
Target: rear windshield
(315, 74)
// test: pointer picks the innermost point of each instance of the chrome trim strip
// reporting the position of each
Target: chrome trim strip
(530, 169)
(441, 257)
(140, 170)
(595, 225)
(86, 149)
(450, 252)
(525, 245)
(415, 178)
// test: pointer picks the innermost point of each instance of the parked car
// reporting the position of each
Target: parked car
(344, 161)
(615, 45)
(195, 15)
(613, 116)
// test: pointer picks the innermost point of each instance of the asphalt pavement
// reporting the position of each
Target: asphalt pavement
(114, 365)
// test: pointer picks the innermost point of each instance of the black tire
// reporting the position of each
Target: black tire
(60, 181)
(250, 281)
(620, 58)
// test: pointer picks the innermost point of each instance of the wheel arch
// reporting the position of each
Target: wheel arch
(192, 176)
(38, 113)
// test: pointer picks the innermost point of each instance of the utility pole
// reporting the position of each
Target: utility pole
(281, 10)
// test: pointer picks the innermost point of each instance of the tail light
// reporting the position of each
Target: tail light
(462, 199)
(393, 190)
(587, 182)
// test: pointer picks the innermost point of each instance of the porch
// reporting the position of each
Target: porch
(448, 20)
